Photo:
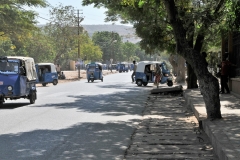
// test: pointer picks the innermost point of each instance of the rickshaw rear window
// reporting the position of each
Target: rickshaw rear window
(93, 66)
(9, 66)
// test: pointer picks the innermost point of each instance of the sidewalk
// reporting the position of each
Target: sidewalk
(168, 130)
(224, 134)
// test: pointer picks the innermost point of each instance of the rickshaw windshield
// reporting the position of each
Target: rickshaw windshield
(9, 67)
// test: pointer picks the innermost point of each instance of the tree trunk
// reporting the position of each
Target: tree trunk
(191, 78)
(181, 70)
(174, 64)
(207, 82)
(178, 63)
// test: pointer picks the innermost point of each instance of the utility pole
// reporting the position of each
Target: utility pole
(79, 21)
(111, 60)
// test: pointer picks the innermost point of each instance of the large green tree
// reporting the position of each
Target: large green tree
(129, 50)
(69, 40)
(39, 46)
(15, 21)
(188, 23)
(109, 42)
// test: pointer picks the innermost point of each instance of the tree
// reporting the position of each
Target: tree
(6, 47)
(62, 31)
(188, 23)
(178, 64)
(129, 49)
(89, 51)
(109, 42)
(15, 21)
(39, 46)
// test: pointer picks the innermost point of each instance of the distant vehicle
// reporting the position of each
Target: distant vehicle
(46, 73)
(143, 78)
(123, 67)
(104, 66)
(114, 66)
(94, 71)
(117, 67)
(17, 78)
(131, 66)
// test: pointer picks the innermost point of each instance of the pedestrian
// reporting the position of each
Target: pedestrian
(225, 70)
(62, 76)
(134, 70)
(148, 73)
(158, 74)
(58, 68)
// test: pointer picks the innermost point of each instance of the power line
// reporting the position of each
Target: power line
(35, 15)
(43, 18)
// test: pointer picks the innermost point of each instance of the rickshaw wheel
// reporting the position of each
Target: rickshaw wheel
(44, 84)
(1, 103)
(55, 82)
(88, 80)
(139, 82)
(102, 79)
(170, 83)
(145, 83)
(92, 80)
(32, 97)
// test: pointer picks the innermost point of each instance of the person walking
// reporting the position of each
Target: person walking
(225, 69)
(134, 71)
(58, 68)
(158, 74)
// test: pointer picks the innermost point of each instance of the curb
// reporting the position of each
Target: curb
(225, 142)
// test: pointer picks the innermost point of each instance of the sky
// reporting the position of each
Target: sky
(92, 16)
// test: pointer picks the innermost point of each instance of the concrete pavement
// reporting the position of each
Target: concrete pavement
(224, 134)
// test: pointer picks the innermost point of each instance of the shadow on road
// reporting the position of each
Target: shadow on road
(83, 140)
(13, 105)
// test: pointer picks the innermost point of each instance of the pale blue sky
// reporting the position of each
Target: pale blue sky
(92, 16)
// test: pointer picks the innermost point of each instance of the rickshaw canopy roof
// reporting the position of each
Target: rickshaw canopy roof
(46, 64)
(52, 66)
(96, 63)
(29, 66)
(141, 65)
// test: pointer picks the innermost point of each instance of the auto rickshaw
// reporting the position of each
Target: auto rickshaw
(94, 72)
(131, 66)
(17, 79)
(146, 71)
(46, 73)
(123, 67)
(114, 66)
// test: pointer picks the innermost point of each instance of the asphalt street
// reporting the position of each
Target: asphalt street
(75, 120)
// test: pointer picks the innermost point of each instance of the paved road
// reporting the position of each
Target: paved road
(75, 120)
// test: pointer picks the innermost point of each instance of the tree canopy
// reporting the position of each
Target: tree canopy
(14, 19)
(181, 25)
